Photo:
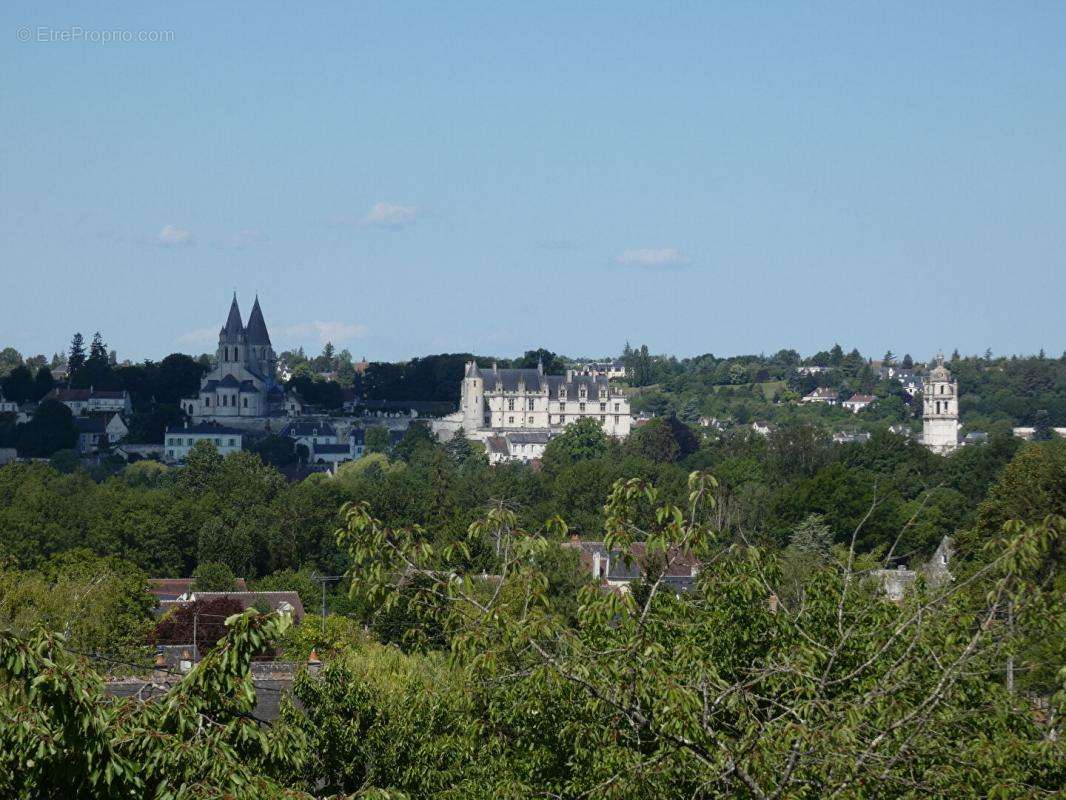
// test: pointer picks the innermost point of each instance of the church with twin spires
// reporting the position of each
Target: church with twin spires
(243, 386)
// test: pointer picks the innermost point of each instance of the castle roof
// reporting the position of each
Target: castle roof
(233, 325)
(257, 329)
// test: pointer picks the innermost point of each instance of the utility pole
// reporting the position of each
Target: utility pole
(323, 579)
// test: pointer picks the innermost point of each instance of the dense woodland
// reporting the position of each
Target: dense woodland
(467, 655)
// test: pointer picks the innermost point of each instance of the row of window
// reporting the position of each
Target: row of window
(177, 441)
(562, 406)
(226, 401)
(560, 419)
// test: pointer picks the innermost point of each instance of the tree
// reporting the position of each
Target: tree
(202, 467)
(416, 439)
(52, 428)
(278, 451)
(43, 383)
(9, 359)
(582, 440)
(212, 576)
(888, 358)
(728, 690)
(202, 620)
(908, 362)
(460, 448)
(654, 441)
(812, 536)
(376, 439)
(76, 358)
(220, 542)
(18, 385)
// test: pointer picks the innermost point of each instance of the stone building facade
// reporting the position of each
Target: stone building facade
(503, 400)
(243, 385)
(940, 406)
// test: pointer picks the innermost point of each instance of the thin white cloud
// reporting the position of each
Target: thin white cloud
(323, 332)
(652, 257)
(390, 215)
(200, 336)
(173, 236)
(244, 238)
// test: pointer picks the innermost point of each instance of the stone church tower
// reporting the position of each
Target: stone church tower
(243, 383)
(940, 418)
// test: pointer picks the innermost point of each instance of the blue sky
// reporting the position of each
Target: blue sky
(408, 178)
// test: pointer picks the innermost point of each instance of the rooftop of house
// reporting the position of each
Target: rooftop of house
(205, 429)
(680, 566)
(529, 437)
(823, 391)
(303, 429)
(331, 449)
(275, 601)
(861, 398)
(90, 424)
(497, 444)
(74, 395)
(173, 588)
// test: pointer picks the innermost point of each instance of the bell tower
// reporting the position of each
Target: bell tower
(940, 410)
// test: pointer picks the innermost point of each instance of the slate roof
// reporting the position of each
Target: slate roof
(208, 428)
(70, 395)
(90, 424)
(325, 449)
(507, 380)
(497, 444)
(861, 398)
(529, 437)
(257, 329)
(233, 327)
(357, 436)
(301, 429)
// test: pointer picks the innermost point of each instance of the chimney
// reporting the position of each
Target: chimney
(314, 663)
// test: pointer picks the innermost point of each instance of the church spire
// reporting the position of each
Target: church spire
(257, 329)
(233, 325)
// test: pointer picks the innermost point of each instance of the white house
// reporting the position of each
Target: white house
(524, 446)
(823, 394)
(311, 433)
(762, 428)
(180, 440)
(98, 431)
(857, 402)
(92, 401)
(8, 406)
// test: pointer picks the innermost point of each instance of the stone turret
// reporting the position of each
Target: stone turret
(473, 398)
(940, 410)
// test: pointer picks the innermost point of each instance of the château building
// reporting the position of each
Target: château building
(502, 402)
(940, 417)
(243, 385)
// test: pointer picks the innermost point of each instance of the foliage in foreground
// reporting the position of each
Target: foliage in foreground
(60, 736)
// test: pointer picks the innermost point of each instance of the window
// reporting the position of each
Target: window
(510, 404)
(207, 403)
(225, 354)
(246, 402)
(616, 408)
(581, 407)
(603, 406)
(531, 420)
(232, 442)
(510, 420)
(603, 418)
(562, 406)
(529, 404)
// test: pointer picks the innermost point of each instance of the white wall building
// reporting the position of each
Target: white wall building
(940, 403)
(516, 399)
(92, 401)
(180, 440)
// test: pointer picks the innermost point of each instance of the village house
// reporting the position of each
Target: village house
(99, 430)
(857, 402)
(823, 394)
(762, 428)
(679, 569)
(92, 401)
(8, 406)
(181, 439)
